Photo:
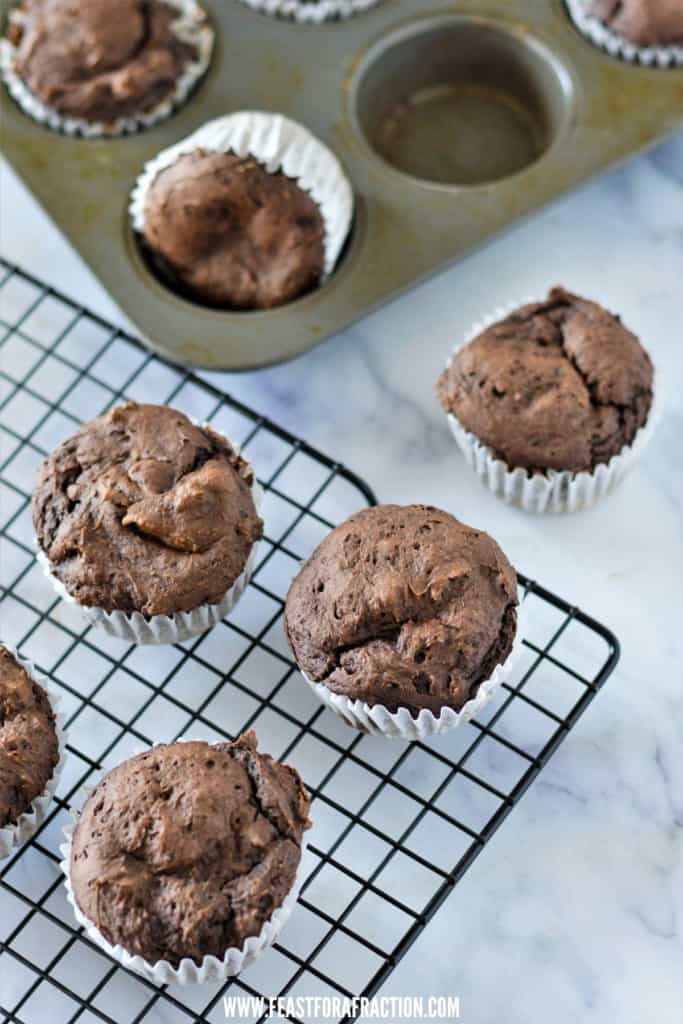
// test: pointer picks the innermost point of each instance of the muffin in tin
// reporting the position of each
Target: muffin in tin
(311, 11)
(555, 387)
(104, 66)
(249, 212)
(641, 22)
(143, 516)
(232, 234)
(648, 32)
(403, 607)
(186, 852)
(29, 750)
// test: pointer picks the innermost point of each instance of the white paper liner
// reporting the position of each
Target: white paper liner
(234, 960)
(311, 13)
(617, 46)
(379, 721)
(552, 490)
(12, 836)
(278, 143)
(191, 26)
(166, 629)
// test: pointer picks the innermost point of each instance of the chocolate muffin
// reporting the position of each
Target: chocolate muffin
(99, 60)
(404, 607)
(641, 22)
(559, 384)
(188, 849)
(29, 748)
(232, 234)
(140, 510)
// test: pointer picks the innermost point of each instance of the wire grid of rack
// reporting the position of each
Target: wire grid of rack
(383, 811)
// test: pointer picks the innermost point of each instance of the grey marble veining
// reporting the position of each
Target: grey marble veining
(575, 911)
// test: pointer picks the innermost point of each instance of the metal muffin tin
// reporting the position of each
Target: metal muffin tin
(501, 104)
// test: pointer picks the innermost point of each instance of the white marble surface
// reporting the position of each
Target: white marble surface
(574, 912)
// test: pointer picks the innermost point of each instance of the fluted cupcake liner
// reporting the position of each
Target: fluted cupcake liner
(137, 628)
(234, 960)
(28, 823)
(211, 969)
(552, 490)
(191, 26)
(311, 13)
(377, 720)
(278, 143)
(617, 46)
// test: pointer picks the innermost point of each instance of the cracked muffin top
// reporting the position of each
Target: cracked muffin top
(29, 749)
(99, 60)
(560, 384)
(188, 849)
(140, 510)
(234, 234)
(403, 606)
(642, 22)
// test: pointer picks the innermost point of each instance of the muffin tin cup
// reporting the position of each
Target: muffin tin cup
(311, 13)
(552, 490)
(211, 969)
(137, 628)
(13, 836)
(278, 143)
(617, 46)
(191, 26)
(377, 720)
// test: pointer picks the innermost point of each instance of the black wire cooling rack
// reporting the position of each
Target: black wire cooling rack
(396, 825)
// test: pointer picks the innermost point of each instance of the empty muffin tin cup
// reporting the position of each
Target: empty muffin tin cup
(211, 969)
(617, 46)
(377, 720)
(311, 12)
(28, 823)
(190, 26)
(552, 490)
(459, 100)
(280, 145)
(137, 628)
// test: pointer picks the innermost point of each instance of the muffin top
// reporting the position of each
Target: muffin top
(643, 22)
(404, 607)
(560, 384)
(188, 849)
(100, 60)
(29, 749)
(233, 234)
(140, 510)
